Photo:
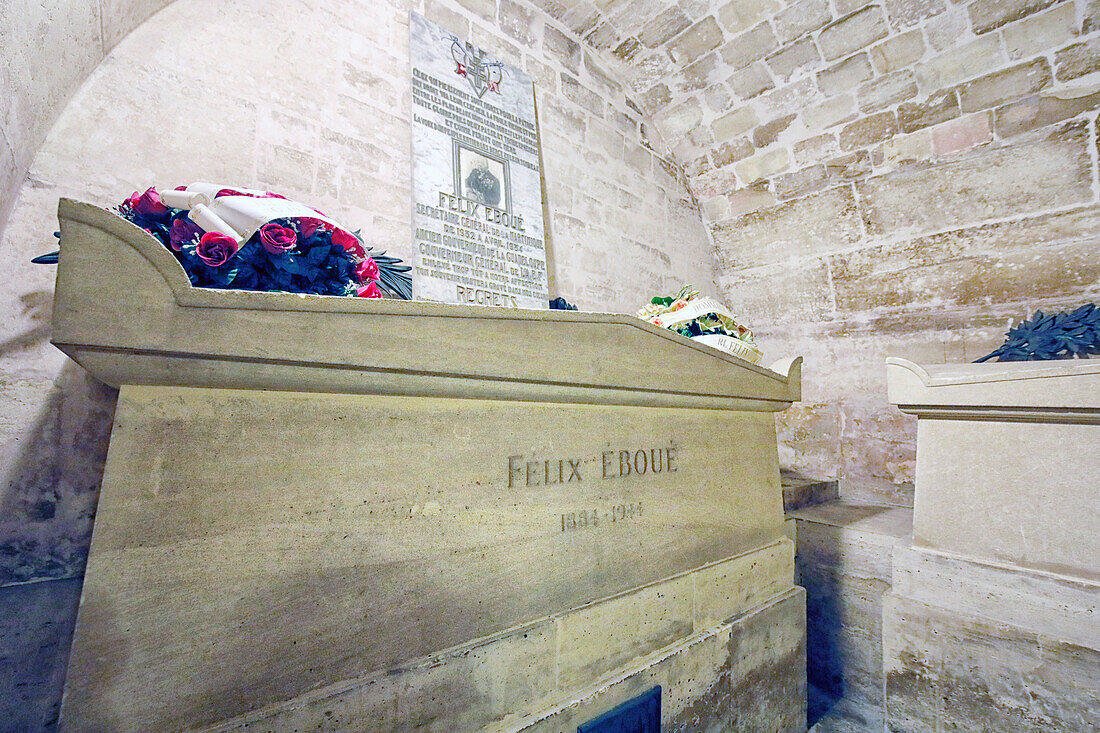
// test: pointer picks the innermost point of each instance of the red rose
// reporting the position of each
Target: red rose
(307, 226)
(183, 231)
(367, 270)
(132, 201)
(349, 242)
(149, 204)
(215, 248)
(369, 291)
(277, 239)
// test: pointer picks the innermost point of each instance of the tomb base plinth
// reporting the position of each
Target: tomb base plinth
(991, 620)
(322, 513)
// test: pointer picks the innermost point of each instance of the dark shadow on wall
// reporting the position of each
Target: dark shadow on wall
(47, 507)
(51, 488)
(37, 308)
(36, 630)
(843, 560)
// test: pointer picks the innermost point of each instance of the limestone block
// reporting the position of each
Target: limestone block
(937, 108)
(809, 437)
(740, 15)
(848, 167)
(716, 208)
(905, 13)
(732, 587)
(992, 183)
(1053, 605)
(831, 112)
(761, 294)
(792, 98)
(562, 47)
(519, 22)
(869, 130)
(575, 92)
(695, 41)
(1002, 86)
(985, 15)
(961, 63)
(656, 98)
(853, 32)
(807, 180)
(799, 56)
(1045, 255)
(1044, 109)
(358, 514)
(845, 75)
(751, 199)
(666, 25)
(680, 119)
(899, 52)
(763, 165)
(1005, 468)
(729, 152)
(768, 133)
(700, 75)
(1091, 17)
(800, 18)
(961, 134)
(887, 90)
(750, 81)
(944, 31)
(1077, 60)
(1040, 32)
(735, 123)
(747, 675)
(717, 96)
(795, 229)
(945, 668)
(750, 46)
(597, 640)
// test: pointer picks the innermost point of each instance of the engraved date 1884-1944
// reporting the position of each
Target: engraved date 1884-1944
(587, 518)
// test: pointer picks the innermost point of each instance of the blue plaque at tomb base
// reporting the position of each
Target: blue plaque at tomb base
(640, 715)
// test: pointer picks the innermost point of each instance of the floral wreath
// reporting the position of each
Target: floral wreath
(292, 254)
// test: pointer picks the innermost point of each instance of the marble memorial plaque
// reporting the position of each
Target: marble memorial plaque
(478, 233)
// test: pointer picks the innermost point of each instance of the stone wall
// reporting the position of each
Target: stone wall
(902, 177)
(316, 108)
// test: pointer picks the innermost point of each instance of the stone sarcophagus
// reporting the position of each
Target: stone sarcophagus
(991, 623)
(346, 514)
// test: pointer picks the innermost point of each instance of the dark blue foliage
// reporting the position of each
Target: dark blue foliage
(315, 265)
(1060, 336)
(561, 304)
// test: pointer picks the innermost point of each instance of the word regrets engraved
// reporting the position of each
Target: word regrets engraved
(590, 518)
(615, 463)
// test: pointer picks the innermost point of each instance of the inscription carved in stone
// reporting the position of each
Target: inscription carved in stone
(477, 214)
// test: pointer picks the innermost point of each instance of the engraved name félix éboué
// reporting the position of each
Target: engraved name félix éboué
(613, 463)
(610, 464)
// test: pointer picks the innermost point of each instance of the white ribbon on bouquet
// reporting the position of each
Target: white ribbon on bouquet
(237, 216)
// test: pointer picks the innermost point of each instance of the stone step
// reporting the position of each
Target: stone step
(844, 552)
(800, 491)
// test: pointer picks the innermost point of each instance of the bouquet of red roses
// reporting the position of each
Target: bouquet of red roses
(223, 238)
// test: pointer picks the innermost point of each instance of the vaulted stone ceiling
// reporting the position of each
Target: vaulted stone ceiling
(880, 177)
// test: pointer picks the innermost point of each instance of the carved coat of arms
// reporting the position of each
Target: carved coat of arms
(484, 76)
